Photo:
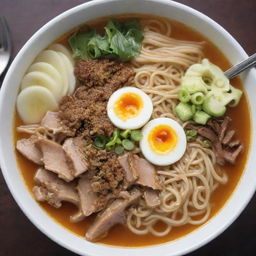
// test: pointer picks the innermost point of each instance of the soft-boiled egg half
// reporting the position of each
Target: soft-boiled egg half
(129, 108)
(163, 142)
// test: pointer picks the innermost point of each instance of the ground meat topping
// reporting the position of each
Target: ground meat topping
(93, 73)
(85, 111)
(106, 173)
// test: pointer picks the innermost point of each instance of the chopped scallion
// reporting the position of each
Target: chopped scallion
(128, 144)
(114, 138)
(125, 134)
(197, 98)
(191, 132)
(136, 135)
(184, 96)
(100, 141)
(119, 149)
(207, 143)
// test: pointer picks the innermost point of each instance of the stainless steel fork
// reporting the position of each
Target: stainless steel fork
(5, 45)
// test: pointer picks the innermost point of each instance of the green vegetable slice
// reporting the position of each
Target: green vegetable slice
(207, 143)
(128, 144)
(214, 107)
(125, 134)
(136, 135)
(100, 141)
(114, 139)
(197, 98)
(184, 111)
(191, 138)
(191, 132)
(201, 117)
(119, 149)
(184, 96)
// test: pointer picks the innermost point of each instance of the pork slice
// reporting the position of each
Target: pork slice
(228, 137)
(74, 149)
(151, 197)
(55, 159)
(230, 156)
(49, 188)
(214, 124)
(207, 133)
(131, 174)
(223, 127)
(217, 147)
(234, 143)
(111, 216)
(28, 148)
(147, 173)
(51, 121)
(79, 216)
(88, 198)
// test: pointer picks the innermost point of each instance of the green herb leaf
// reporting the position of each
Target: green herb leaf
(78, 42)
(119, 149)
(121, 41)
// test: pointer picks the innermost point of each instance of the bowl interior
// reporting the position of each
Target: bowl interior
(51, 31)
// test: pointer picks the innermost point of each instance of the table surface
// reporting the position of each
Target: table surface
(18, 235)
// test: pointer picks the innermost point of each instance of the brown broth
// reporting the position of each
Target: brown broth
(120, 235)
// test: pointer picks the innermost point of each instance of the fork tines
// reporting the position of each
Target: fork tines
(5, 40)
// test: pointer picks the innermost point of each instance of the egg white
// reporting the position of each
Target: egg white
(168, 158)
(134, 122)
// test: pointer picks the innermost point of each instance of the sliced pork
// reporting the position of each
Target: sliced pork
(55, 159)
(111, 216)
(79, 216)
(28, 148)
(49, 188)
(231, 156)
(130, 172)
(151, 197)
(88, 198)
(147, 173)
(74, 150)
(228, 137)
(52, 121)
(139, 171)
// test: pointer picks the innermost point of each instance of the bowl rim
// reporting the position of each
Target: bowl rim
(130, 250)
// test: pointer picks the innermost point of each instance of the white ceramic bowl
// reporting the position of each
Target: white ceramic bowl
(47, 34)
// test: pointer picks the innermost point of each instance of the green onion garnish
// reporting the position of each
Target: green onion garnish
(119, 149)
(136, 135)
(128, 144)
(125, 134)
(100, 141)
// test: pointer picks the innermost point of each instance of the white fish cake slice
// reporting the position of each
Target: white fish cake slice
(33, 102)
(61, 48)
(53, 58)
(48, 69)
(70, 71)
(42, 79)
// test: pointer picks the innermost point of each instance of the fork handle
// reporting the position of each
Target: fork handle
(237, 69)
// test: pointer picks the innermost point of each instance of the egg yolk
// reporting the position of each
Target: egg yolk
(162, 139)
(128, 106)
